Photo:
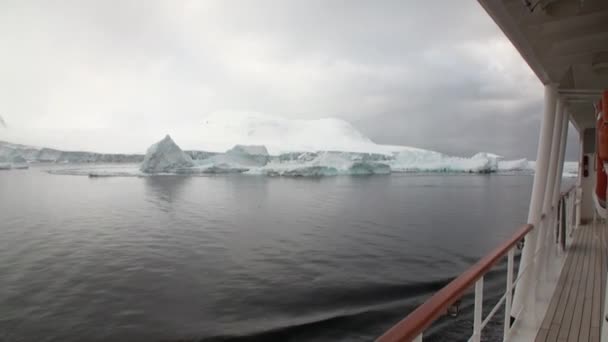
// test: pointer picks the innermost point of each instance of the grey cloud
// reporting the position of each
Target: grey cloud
(116, 75)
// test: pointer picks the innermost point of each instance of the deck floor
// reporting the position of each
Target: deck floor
(575, 310)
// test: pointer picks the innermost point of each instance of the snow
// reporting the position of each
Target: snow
(220, 131)
(165, 156)
(254, 150)
(487, 155)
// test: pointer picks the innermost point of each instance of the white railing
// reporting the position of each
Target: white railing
(412, 327)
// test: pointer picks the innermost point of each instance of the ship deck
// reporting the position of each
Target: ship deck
(575, 309)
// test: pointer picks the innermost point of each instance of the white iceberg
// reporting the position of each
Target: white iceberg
(165, 156)
(13, 161)
(18, 159)
(253, 150)
(275, 146)
(49, 155)
(248, 155)
(514, 165)
(326, 163)
(430, 161)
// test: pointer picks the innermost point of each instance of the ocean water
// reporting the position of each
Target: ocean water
(244, 258)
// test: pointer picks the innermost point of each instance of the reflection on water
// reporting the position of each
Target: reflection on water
(169, 258)
(162, 191)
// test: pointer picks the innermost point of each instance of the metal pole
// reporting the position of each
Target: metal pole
(478, 310)
(536, 200)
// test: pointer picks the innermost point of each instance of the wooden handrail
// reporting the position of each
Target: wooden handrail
(421, 318)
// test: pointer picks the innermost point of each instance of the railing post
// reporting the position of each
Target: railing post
(478, 310)
(509, 294)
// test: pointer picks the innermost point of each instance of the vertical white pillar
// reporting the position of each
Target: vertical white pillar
(562, 156)
(524, 285)
(560, 166)
(545, 226)
(556, 145)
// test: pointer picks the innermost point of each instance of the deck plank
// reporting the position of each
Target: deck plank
(579, 293)
(598, 290)
(556, 310)
(563, 299)
(576, 308)
(560, 289)
(585, 330)
(569, 306)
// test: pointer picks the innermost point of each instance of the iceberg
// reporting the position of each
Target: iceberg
(165, 156)
(326, 163)
(253, 143)
(248, 155)
(18, 159)
(430, 161)
(200, 155)
(49, 155)
(238, 159)
(12, 162)
(514, 165)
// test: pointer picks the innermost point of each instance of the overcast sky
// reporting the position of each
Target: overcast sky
(115, 76)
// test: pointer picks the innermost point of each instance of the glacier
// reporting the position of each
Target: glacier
(259, 144)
